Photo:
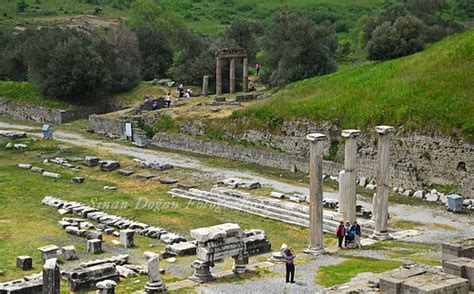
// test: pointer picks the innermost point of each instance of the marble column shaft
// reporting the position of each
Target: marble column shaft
(218, 76)
(232, 75)
(245, 83)
(51, 277)
(205, 85)
(316, 193)
(380, 209)
(349, 186)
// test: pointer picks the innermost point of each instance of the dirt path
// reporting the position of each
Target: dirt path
(437, 225)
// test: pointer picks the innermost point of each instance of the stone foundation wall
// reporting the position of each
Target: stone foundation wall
(107, 126)
(40, 114)
(416, 159)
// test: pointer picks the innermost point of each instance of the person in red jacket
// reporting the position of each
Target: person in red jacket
(340, 233)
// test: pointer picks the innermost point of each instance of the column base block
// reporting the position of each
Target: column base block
(314, 251)
(381, 236)
(155, 287)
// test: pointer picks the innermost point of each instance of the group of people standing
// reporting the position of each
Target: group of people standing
(349, 235)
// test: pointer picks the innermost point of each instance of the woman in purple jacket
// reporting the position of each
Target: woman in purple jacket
(290, 266)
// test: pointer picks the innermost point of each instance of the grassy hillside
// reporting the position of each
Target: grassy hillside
(428, 90)
(208, 17)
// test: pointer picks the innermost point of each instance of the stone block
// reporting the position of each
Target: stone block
(432, 197)
(90, 235)
(51, 175)
(126, 172)
(182, 248)
(362, 181)
(86, 278)
(461, 267)
(32, 284)
(77, 180)
(277, 195)
(461, 248)
(24, 262)
(24, 165)
(126, 238)
(106, 287)
(145, 176)
(94, 246)
(37, 170)
(168, 181)
(51, 277)
(69, 252)
(420, 194)
(109, 165)
(48, 251)
(125, 272)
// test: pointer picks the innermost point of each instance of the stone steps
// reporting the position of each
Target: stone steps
(269, 208)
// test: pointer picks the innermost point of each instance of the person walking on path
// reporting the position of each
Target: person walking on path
(290, 266)
(355, 229)
(168, 100)
(257, 68)
(340, 233)
(347, 231)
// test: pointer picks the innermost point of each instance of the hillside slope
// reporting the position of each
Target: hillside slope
(431, 90)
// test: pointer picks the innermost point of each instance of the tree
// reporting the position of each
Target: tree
(156, 54)
(12, 60)
(296, 48)
(21, 6)
(244, 34)
(122, 59)
(65, 64)
(403, 37)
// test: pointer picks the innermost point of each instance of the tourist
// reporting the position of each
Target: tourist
(189, 93)
(257, 68)
(355, 230)
(290, 266)
(340, 233)
(168, 99)
(347, 230)
(154, 105)
(180, 90)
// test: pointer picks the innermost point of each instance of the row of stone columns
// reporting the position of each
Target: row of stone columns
(231, 75)
(347, 184)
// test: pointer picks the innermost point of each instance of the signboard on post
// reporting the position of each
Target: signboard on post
(128, 131)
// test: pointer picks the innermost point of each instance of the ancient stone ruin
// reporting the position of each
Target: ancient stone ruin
(231, 54)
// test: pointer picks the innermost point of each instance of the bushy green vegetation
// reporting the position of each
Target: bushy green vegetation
(430, 90)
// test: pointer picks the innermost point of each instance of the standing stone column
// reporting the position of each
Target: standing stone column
(218, 76)
(245, 83)
(232, 75)
(383, 177)
(154, 284)
(205, 85)
(51, 276)
(316, 193)
(341, 209)
(349, 186)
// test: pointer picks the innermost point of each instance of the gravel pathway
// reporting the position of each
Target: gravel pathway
(305, 280)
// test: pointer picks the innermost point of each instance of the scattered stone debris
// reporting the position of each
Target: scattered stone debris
(28, 284)
(109, 165)
(126, 172)
(256, 242)
(111, 188)
(24, 165)
(24, 262)
(180, 249)
(51, 175)
(240, 183)
(126, 238)
(186, 185)
(86, 278)
(168, 181)
(69, 252)
(106, 287)
(91, 161)
(37, 170)
(107, 220)
(12, 134)
(145, 176)
(77, 180)
(9, 146)
(461, 248)
(154, 283)
(48, 251)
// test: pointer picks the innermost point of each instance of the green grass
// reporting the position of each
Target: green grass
(431, 90)
(25, 224)
(332, 275)
(24, 92)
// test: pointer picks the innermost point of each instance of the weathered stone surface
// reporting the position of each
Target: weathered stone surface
(118, 260)
(362, 181)
(256, 242)
(91, 161)
(145, 176)
(9, 146)
(432, 197)
(24, 262)
(421, 279)
(12, 134)
(218, 232)
(77, 180)
(171, 238)
(86, 278)
(24, 165)
(51, 277)
(168, 181)
(183, 185)
(420, 194)
(20, 146)
(182, 248)
(94, 246)
(37, 170)
(371, 186)
(69, 252)
(461, 267)
(161, 166)
(277, 195)
(408, 193)
(48, 251)
(154, 283)
(126, 172)
(109, 165)
(90, 235)
(106, 287)
(126, 238)
(125, 272)
(460, 248)
(249, 185)
(51, 175)
(32, 284)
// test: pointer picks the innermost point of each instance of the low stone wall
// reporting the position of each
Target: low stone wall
(40, 114)
(416, 159)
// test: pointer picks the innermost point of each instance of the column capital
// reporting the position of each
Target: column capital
(316, 137)
(350, 133)
(384, 130)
